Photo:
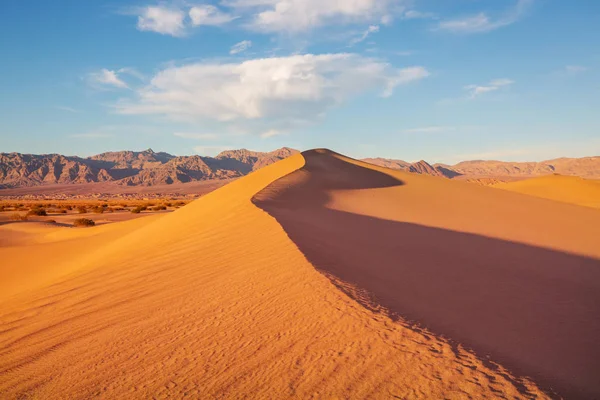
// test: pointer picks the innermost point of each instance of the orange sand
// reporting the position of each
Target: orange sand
(220, 299)
(568, 189)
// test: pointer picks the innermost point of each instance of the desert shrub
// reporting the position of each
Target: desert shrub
(62, 211)
(169, 204)
(81, 210)
(18, 217)
(38, 211)
(83, 222)
(98, 210)
(2, 208)
(159, 208)
(138, 210)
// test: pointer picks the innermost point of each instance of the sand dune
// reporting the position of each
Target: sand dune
(222, 300)
(515, 278)
(567, 189)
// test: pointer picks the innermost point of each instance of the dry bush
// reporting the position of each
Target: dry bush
(18, 217)
(83, 222)
(81, 210)
(40, 212)
(98, 210)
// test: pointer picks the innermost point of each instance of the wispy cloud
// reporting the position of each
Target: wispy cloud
(371, 29)
(575, 69)
(196, 136)
(271, 133)
(240, 47)
(210, 150)
(481, 22)
(107, 78)
(414, 14)
(65, 108)
(478, 90)
(206, 14)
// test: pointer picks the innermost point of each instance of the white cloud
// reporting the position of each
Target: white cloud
(271, 133)
(65, 108)
(210, 150)
(106, 77)
(284, 88)
(302, 15)
(430, 129)
(209, 15)
(240, 47)
(477, 90)
(196, 136)
(365, 34)
(575, 69)
(414, 14)
(481, 22)
(163, 20)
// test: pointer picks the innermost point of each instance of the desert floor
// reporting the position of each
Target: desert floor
(315, 277)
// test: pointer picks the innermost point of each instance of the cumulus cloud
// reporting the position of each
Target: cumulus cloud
(477, 90)
(295, 87)
(240, 47)
(481, 22)
(209, 15)
(301, 15)
(163, 20)
(106, 78)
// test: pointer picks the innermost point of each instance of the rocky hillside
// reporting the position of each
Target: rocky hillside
(420, 167)
(145, 168)
(148, 168)
(586, 167)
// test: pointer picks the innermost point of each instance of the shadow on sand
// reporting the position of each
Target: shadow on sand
(533, 310)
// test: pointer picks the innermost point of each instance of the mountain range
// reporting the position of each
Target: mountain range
(149, 168)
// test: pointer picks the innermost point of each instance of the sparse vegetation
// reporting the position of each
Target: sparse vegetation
(83, 222)
(18, 217)
(40, 212)
(81, 210)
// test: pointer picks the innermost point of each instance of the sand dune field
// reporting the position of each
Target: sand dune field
(567, 189)
(316, 277)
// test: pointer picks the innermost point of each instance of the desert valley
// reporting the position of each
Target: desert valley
(299, 199)
(315, 276)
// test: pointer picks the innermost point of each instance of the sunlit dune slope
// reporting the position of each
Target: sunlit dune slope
(568, 189)
(221, 300)
(515, 278)
(36, 254)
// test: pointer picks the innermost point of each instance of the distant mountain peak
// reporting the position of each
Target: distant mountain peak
(131, 168)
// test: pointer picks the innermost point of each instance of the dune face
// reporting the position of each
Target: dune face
(221, 299)
(567, 189)
(530, 304)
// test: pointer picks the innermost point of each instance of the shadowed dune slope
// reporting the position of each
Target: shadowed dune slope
(215, 301)
(567, 189)
(515, 278)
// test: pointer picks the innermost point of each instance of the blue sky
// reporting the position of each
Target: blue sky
(440, 80)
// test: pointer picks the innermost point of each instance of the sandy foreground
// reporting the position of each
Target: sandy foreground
(305, 279)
